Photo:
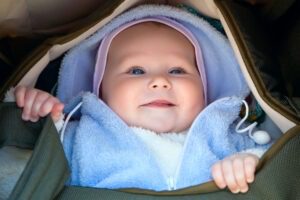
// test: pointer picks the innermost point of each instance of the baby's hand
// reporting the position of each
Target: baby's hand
(235, 172)
(37, 103)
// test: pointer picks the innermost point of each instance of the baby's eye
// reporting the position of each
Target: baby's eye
(177, 70)
(136, 71)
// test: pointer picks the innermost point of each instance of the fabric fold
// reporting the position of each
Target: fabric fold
(222, 72)
(104, 152)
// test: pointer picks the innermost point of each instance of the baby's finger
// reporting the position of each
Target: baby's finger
(250, 165)
(57, 111)
(41, 97)
(239, 172)
(217, 175)
(20, 95)
(47, 106)
(229, 177)
(28, 102)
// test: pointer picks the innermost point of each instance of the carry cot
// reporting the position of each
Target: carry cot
(265, 40)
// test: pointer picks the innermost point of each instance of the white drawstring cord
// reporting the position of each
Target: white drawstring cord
(67, 120)
(248, 128)
(259, 137)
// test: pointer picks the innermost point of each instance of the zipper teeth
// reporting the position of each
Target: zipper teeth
(179, 164)
(171, 183)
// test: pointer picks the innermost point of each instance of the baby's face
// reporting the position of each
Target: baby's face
(151, 79)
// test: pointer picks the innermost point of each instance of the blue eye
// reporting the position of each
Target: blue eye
(136, 71)
(177, 70)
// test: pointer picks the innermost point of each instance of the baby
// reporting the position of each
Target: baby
(154, 80)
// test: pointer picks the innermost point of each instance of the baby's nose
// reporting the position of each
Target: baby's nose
(160, 82)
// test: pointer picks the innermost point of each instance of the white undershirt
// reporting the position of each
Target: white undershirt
(166, 148)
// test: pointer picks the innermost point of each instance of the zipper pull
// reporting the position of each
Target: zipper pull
(171, 183)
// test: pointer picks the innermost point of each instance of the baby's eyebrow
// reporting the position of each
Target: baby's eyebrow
(131, 60)
(127, 57)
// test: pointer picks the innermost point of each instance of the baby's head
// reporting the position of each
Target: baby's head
(151, 78)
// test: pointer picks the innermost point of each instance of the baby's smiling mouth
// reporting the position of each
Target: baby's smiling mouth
(159, 103)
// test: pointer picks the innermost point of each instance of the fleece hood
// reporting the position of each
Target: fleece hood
(83, 67)
(105, 44)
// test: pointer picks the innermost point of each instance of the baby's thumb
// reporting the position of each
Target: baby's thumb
(57, 112)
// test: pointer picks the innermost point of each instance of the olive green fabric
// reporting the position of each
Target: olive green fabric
(35, 17)
(279, 177)
(47, 169)
(263, 45)
(278, 180)
(19, 54)
(46, 172)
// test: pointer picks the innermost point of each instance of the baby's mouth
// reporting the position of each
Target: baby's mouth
(159, 103)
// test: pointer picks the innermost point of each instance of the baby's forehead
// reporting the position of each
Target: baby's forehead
(147, 38)
(149, 33)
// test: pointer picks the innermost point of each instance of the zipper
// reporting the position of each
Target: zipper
(171, 183)
(172, 180)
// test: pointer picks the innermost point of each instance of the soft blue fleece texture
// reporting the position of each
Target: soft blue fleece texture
(101, 148)
(222, 70)
(104, 152)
